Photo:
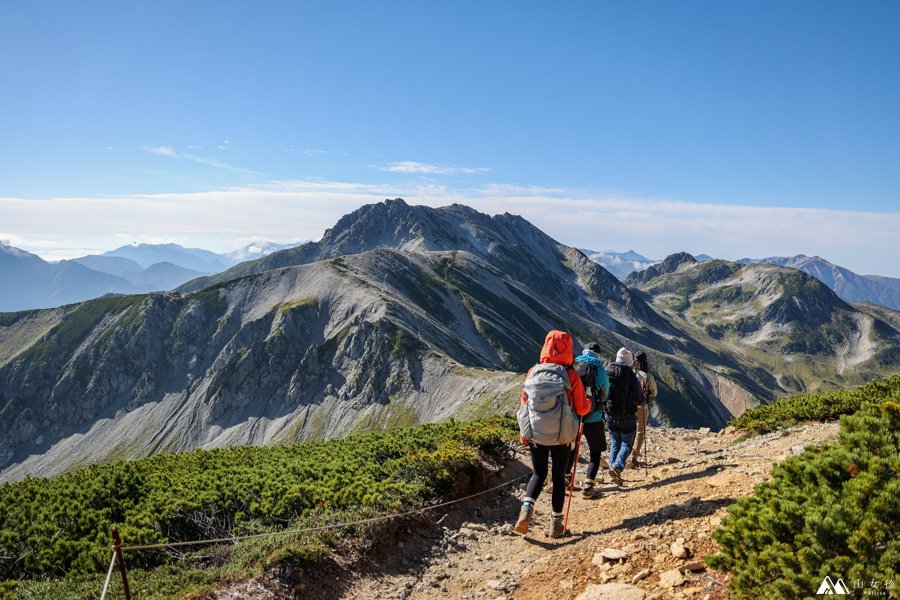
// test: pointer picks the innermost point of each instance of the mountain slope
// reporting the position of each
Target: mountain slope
(383, 337)
(847, 284)
(782, 319)
(400, 314)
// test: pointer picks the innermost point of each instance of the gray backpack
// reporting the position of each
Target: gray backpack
(547, 417)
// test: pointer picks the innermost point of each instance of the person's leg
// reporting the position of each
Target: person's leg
(573, 458)
(539, 458)
(615, 442)
(560, 460)
(626, 439)
(593, 433)
(642, 414)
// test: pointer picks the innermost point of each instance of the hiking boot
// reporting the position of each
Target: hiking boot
(558, 528)
(524, 518)
(635, 464)
(616, 476)
(590, 490)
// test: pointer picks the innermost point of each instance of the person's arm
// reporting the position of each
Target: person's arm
(580, 401)
(651, 386)
(635, 391)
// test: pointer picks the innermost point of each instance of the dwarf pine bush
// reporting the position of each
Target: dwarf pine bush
(832, 511)
(51, 528)
(815, 407)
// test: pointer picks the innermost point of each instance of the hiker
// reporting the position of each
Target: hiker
(648, 392)
(552, 400)
(596, 385)
(620, 410)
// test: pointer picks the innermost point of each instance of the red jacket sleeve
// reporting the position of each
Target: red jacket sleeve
(580, 401)
(524, 399)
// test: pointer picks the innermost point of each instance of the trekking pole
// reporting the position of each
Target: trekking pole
(647, 443)
(574, 470)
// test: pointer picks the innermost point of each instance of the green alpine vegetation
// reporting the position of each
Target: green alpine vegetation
(831, 511)
(815, 407)
(56, 531)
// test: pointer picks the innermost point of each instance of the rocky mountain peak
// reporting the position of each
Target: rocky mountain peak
(670, 264)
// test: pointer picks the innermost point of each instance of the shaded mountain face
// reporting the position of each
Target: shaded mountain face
(847, 284)
(782, 319)
(620, 264)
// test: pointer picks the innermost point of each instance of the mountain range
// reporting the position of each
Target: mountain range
(620, 264)
(31, 282)
(403, 314)
(847, 284)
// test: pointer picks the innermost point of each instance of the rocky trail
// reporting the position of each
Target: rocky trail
(643, 541)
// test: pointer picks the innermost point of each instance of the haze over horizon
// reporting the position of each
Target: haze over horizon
(732, 130)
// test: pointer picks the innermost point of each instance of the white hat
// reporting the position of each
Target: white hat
(624, 356)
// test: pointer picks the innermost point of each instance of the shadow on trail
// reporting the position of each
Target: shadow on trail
(665, 514)
(707, 472)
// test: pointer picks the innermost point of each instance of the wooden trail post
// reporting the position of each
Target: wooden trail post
(120, 559)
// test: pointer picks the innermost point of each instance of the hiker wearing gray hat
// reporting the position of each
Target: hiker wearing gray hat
(620, 409)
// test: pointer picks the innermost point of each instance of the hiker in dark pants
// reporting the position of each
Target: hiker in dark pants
(552, 400)
(648, 393)
(596, 384)
(620, 410)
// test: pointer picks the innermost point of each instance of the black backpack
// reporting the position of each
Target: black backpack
(618, 403)
(588, 374)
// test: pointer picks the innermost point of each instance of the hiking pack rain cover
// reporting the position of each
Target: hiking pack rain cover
(547, 417)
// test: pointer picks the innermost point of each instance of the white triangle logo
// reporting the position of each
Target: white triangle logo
(833, 587)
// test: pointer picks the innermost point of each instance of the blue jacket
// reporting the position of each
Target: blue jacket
(601, 381)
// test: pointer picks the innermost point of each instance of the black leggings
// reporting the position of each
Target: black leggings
(595, 434)
(540, 456)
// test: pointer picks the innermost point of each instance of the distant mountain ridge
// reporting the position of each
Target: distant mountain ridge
(403, 314)
(136, 268)
(785, 320)
(847, 284)
(620, 264)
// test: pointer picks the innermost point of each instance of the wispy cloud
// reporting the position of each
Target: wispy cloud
(161, 150)
(203, 160)
(408, 166)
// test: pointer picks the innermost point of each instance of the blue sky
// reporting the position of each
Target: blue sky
(210, 123)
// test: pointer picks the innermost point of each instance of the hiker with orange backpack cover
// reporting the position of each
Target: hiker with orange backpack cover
(552, 400)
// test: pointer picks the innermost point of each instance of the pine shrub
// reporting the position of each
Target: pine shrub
(831, 511)
(822, 406)
(59, 526)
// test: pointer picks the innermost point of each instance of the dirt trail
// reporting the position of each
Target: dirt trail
(692, 477)
(471, 553)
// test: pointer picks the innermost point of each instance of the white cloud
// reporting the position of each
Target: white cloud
(210, 162)
(161, 150)
(408, 166)
(222, 220)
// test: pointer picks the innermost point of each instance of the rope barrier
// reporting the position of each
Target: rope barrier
(112, 565)
(234, 539)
